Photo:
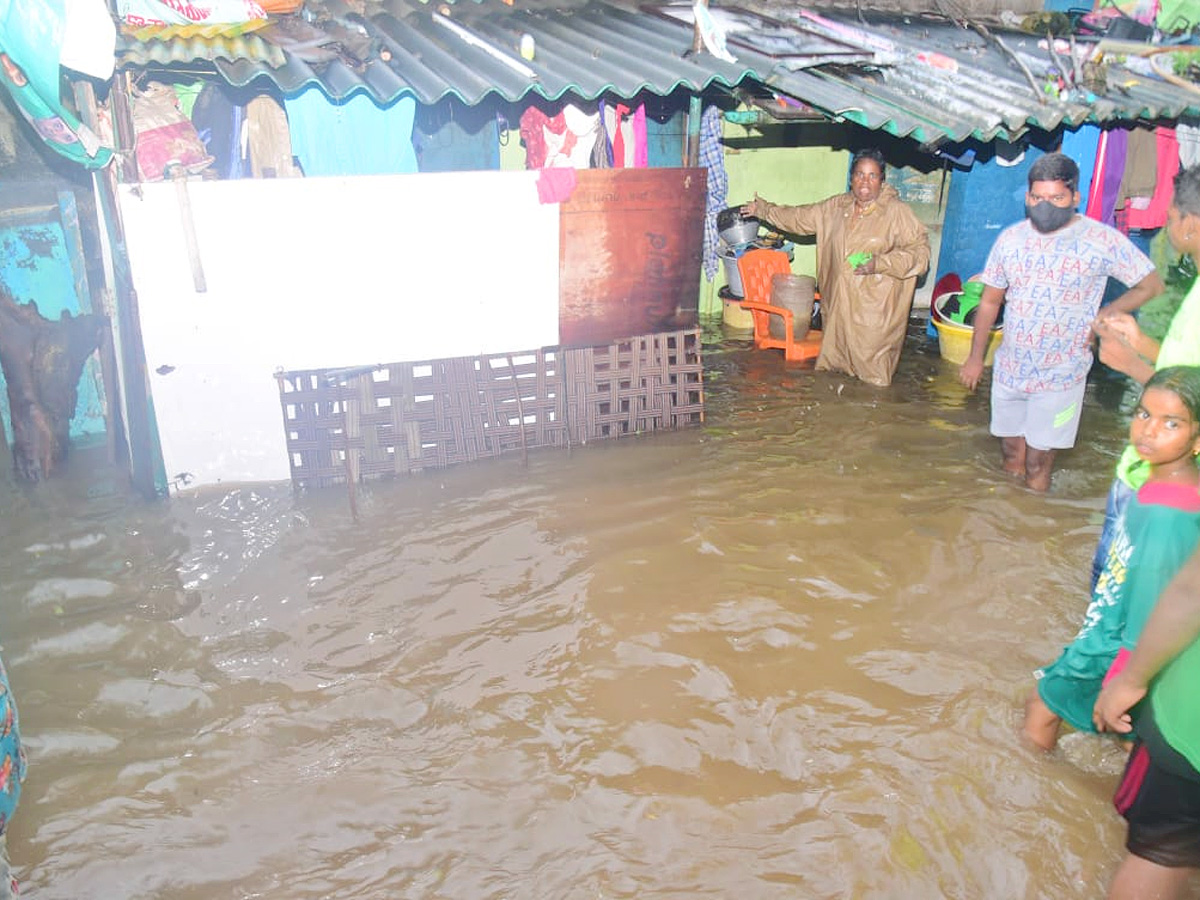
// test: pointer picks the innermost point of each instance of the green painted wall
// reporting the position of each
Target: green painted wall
(784, 164)
(512, 151)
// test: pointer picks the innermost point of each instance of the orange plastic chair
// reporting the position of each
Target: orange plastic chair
(757, 268)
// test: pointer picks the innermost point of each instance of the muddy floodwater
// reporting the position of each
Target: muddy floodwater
(781, 655)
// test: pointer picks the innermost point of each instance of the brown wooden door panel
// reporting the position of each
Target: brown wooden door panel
(629, 254)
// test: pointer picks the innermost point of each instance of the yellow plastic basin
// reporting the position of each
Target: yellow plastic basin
(954, 341)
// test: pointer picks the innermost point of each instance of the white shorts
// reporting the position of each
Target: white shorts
(1048, 420)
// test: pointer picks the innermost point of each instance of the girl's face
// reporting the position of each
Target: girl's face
(1163, 430)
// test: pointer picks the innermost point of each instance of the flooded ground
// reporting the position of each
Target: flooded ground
(779, 656)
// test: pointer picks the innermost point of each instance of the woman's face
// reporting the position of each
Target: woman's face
(1181, 229)
(866, 180)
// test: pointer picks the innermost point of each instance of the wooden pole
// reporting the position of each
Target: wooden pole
(121, 109)
(695, 109)
(145, 453)
(118, 448)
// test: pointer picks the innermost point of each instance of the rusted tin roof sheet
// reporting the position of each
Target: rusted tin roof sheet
(932, 81)
(947, 83)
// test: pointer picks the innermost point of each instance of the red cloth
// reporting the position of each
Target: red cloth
(533, 120)
(618, 137)
(1117, 665)
(1131, 780)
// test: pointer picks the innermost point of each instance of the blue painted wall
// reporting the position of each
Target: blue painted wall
(979, 204)
(35, 264)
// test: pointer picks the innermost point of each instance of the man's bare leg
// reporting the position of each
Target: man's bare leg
(1038, 464)
(1012, 449)
(1140, 879)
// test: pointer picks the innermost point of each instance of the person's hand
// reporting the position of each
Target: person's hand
(865, 268)
(751, 208)
(1117, 326)
(1111, 712)
(970, 372)
(1116, 352)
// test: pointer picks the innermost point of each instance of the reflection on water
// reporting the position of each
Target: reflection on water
(781, 655)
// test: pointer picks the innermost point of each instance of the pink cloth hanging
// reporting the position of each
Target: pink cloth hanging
(641, 140)
(556, 185)
(1167, 154)
(1095, 201)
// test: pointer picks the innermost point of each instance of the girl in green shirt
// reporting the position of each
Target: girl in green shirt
(1157, 533)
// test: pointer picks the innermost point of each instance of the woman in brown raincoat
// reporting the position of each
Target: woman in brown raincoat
(864, 299)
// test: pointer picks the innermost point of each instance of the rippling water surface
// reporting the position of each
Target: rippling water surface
(780, 655)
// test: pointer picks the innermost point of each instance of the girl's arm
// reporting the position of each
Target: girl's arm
(1172, 627)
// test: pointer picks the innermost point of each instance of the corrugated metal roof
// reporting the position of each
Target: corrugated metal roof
(947, 83)
(162, 32)
(168, 51)
(586, 51)
(930, 81)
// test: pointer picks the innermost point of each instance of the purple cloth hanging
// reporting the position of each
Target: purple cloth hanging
(1114, 171)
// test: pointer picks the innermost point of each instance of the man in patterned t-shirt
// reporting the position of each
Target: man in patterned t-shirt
(1050, 271)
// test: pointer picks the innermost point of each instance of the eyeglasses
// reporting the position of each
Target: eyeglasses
(864, 176)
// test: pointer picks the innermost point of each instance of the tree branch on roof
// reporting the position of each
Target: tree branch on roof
(999, 42)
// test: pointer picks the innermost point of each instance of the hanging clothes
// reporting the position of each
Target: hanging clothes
(712, 158)
(1188, 137)
(218, 122)
(626, 128)
(533, 125)
(617, 130)
(1095, 197)
(353, 137)
(1140, 176)
(555, 185)
(1114, 170)
(566, 139)
(1155, 213)
(585, 129)
(641, 143)
(268, 140)
(602, 157)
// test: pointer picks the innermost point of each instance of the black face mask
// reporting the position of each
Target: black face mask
(1046, 217)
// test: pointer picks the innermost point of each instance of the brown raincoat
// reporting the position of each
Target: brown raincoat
(865, 316)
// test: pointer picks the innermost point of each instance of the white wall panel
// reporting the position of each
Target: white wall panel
(325, 272)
